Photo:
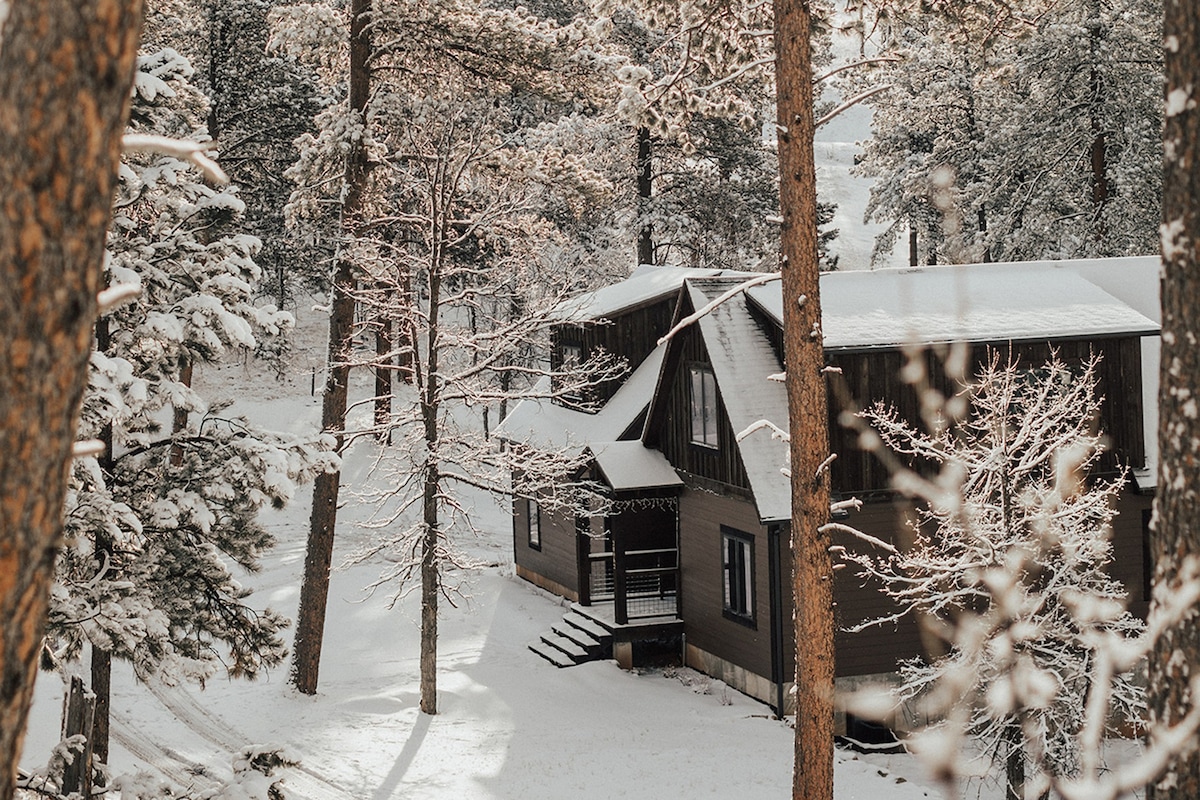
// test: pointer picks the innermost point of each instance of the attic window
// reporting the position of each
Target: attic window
(704, 406)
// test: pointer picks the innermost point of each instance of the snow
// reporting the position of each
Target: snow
(647, 284)
(971, 302)
(511, 725)
(742, 361)
(539, 422)
(632, 465)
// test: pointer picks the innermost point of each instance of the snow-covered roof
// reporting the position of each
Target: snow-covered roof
(631, 465)
(539, 422)
(978, 303)
(647, 284)
(742, 360)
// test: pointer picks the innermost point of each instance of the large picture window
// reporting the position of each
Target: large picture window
(737, 556)
(534, 515)
(704, 406)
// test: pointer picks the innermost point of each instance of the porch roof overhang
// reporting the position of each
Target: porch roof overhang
(630, 466)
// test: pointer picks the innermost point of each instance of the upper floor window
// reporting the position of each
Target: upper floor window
(704, 406)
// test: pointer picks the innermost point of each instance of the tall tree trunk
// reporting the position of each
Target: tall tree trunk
(314, 591)
(179, 417)
(384, 361)
(645, 187)
(808, 421)
(101, 659)
(66, 68)
(430, 563)
(1176, 532)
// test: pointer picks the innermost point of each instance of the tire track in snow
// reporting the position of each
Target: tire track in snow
(301, 781)
(171, 765)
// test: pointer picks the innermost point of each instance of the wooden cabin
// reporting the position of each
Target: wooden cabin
(692, 557)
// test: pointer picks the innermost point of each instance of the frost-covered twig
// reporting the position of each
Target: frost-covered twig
(179, 148)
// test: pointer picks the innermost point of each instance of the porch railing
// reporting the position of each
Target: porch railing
(641, 583)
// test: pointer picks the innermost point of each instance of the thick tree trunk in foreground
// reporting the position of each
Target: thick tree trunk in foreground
(314, 591)
(805, 357)
(65, 73)
(1176, 534)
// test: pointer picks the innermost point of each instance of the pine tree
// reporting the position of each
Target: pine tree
(60, 137)
(452, 218)
(153, 523)
(1001, 140)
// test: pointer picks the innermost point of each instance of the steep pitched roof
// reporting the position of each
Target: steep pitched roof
(743, 361)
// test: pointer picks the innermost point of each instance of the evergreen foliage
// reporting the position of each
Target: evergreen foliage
(155, 525)
(1002, 141)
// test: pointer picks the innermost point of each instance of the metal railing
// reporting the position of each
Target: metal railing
(641, 583)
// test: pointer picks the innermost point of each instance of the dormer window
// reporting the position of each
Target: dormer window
(704, 406)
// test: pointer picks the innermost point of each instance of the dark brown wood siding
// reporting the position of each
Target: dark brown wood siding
(701, 515)
(874, 375)
(1131, 563)
(557, 560)
(673, 432)
(878, 648)
(631, 335)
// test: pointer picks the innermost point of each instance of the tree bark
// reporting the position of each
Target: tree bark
(1176, 531)
(65, 73)
(808, 421)
(314, 590)
(645, 187)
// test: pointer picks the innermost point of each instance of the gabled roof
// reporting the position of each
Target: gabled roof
(539, 422)
(631, 465)
(743, 361)
(647, 284)
(975, 303)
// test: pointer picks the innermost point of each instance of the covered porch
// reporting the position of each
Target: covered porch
(629, 557)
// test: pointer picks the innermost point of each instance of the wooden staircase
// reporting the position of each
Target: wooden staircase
(577, 639)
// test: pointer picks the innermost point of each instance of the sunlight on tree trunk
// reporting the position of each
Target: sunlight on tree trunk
(805, 358)
(65, 72)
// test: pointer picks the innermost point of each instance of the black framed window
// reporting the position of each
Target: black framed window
(703, 406)
(737, 562)
(533, 515)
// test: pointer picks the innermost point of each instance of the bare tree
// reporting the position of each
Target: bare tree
(66, 67)
(1176, 532)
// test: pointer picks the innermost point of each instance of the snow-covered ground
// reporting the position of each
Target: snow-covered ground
(511, 725)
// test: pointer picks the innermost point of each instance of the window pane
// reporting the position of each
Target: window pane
(697, 405)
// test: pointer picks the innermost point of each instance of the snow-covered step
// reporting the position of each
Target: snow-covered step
(588, 642)
(588, 626)
(573, 651)
(556, 657)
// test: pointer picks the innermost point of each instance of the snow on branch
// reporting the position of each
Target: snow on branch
(180, 148)
(712, 306)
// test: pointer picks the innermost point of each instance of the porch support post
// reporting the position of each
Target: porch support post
(620, 607)
(583, 547)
